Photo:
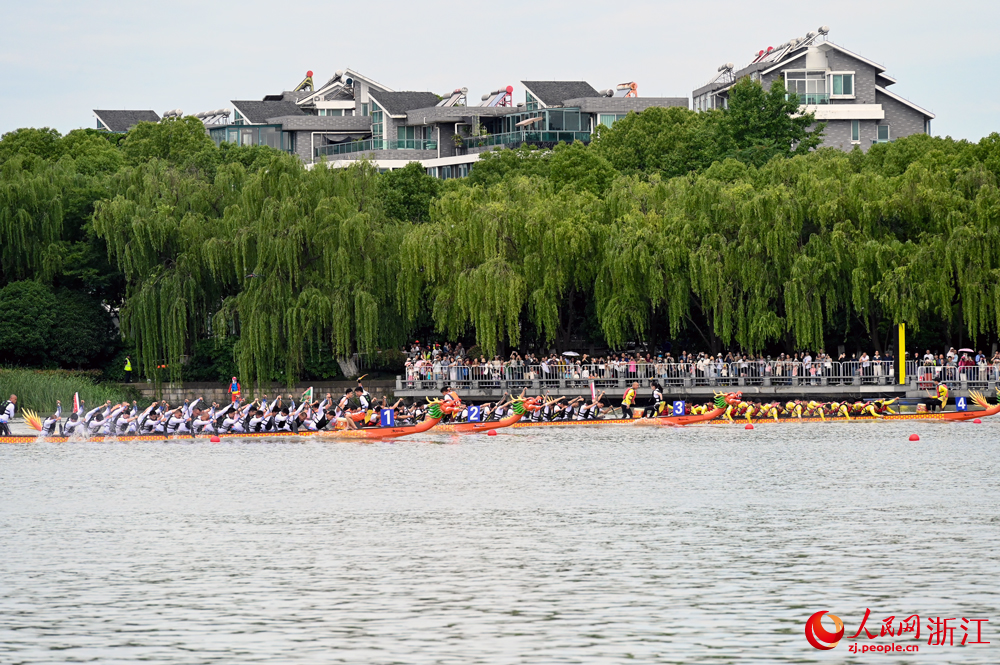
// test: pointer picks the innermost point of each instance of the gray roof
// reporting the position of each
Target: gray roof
(258, 112)
(317, 123)
(555, 93)
(288, 96)
(398, 103)
(433, 114)
(623, 104)
(122, 121)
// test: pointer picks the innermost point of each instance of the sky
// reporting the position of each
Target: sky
(61, 60)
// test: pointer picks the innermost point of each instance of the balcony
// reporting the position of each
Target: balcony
(371, 145)
(517, 138)
(812, 98)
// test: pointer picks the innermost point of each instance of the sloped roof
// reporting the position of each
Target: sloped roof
(554, 93)
(258, 112)
(902, 100)
(398, 103)
(122, 121)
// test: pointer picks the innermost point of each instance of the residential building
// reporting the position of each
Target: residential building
(351, 117)
(846, 90)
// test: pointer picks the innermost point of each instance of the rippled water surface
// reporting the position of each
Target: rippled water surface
(705, 544)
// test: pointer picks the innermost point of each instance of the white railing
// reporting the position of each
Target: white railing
(512, 376)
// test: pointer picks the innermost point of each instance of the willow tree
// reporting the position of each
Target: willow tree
(286, 259)
(31, 215)
(496, 258)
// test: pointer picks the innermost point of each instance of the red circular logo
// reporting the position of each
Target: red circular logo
(819, 636)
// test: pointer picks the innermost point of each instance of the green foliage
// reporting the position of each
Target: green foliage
(495, 165)
(664, 141)
(38, 390)
(726, 228)
(582, 169)
(759, 125)
(46, 329)
(180, 141)
(407, 193)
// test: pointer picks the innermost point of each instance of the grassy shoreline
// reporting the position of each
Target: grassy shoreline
(38, 390)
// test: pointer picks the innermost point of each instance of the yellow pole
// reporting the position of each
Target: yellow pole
(901, 355)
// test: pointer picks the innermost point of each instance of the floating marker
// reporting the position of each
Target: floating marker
(978, 421)
(914, 437)
(215, 439)
(748, 426)
(492, 432)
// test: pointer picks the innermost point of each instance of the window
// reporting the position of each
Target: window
(855, 131)
(809, 86)
(406, 138)
(843, 84)
(432, 171)
(237, 118)
(882, 134)
(609, 119)
(377, 126)
(927, 126)
(364, 108)
(530, 103)
(100, 125)
(446, 172)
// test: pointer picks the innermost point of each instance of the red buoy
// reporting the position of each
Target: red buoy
(309, 73)
(749, 426)
(215, 439)
(914, 437)
(978, 421)
(492, 432)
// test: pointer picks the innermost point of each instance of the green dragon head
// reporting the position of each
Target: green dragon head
(518, 407)
(434, 410)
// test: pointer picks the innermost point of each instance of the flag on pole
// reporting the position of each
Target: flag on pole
(76, 402)
(307, 396)
(593, 392)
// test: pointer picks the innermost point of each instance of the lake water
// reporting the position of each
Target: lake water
(554, 545)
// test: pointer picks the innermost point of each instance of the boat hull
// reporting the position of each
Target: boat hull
(473, 428)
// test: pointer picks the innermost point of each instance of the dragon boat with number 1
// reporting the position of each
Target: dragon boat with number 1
(435, 412)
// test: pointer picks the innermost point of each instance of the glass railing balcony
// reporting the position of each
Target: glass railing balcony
(509, 138)
(812, 98)
(371, 145)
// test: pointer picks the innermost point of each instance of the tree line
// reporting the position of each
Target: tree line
(708, 231)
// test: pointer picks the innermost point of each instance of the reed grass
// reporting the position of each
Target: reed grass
(38, 390)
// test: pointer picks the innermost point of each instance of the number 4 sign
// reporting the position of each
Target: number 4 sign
(961, 404)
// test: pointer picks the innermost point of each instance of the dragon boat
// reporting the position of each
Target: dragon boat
(727, 402)
(435, 412)
(520, 408)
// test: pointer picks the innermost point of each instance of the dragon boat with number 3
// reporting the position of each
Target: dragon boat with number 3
(731, 403)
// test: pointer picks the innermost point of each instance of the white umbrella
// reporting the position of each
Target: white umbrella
(966, 351)
(570, 353)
